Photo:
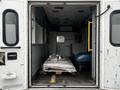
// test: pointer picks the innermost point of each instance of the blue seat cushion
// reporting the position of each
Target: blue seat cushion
(82, 57)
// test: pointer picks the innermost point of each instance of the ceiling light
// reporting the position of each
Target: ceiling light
(66, 19)
(56, 3)
(59, 7)
(55, 11)
(81, 11)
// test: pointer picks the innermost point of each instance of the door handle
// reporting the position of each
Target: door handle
(89, 37)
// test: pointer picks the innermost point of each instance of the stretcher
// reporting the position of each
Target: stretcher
(56, 63)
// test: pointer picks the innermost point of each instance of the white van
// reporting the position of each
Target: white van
(85, 32)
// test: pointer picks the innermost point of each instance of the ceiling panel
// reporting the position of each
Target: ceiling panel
(66, 15)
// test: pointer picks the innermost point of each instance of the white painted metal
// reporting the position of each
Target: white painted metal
(17, 68)
(65, 89)
(66, 0)
(109, 54)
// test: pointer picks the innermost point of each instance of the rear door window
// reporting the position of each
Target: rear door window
(115, 27)
(10, 27)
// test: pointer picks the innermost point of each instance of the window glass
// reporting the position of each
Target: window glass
(115, 27)
(60, 39)
(10, 28)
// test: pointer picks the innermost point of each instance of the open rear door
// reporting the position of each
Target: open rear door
(110, 43)
(13, 44)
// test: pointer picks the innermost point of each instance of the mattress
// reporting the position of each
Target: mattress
(56, 63)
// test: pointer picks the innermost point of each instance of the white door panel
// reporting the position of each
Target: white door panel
(12, 74)
(111, 53)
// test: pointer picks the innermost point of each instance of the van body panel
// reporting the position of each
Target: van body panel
(107, 54)
(16, 67)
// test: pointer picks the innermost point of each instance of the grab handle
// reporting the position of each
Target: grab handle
(89, 43)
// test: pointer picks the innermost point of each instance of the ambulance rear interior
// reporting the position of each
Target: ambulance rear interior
(63, 45)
